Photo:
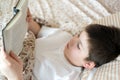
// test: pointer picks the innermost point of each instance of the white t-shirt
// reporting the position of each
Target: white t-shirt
(50, 63)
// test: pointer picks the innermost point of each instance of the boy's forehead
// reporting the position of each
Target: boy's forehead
(84, 40)
(83, 35)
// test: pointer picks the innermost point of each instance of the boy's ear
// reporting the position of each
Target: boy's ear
(89, 65)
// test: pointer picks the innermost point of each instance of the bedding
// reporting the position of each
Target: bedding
(110, 5)
(68, 15)
(109, 71)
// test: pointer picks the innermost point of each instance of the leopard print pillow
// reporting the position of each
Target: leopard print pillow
(27, 55)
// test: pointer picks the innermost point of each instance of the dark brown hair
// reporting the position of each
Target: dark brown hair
(104, 43)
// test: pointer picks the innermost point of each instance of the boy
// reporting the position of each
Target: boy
(93, 47)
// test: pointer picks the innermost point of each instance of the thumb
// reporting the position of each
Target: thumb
(15, 57)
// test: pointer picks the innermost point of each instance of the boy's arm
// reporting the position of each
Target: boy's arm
(32, 25)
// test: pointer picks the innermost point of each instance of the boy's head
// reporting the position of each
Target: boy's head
(96, 45)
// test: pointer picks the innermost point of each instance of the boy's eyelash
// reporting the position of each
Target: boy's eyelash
(78, 35)
(78, 46)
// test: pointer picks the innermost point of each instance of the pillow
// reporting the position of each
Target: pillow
(110, 20)
(111, 5)
(109, 71)
(27, 56)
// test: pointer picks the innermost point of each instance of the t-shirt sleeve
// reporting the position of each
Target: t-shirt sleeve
(46, 31)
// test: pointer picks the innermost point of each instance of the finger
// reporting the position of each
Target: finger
(15, 57)
(28, 19)
(28, 13)
(4, 57)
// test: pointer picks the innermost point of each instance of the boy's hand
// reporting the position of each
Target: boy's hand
(32, 25)
(11, 66)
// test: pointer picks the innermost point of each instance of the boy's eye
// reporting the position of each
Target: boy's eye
(78, 35)
(78, 46)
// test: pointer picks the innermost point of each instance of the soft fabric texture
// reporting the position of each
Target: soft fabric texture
(112, 20)
(69, 15)
(27, 55)
(112, 6)
(109, 71)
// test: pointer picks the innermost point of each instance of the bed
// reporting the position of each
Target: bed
(71, 16)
